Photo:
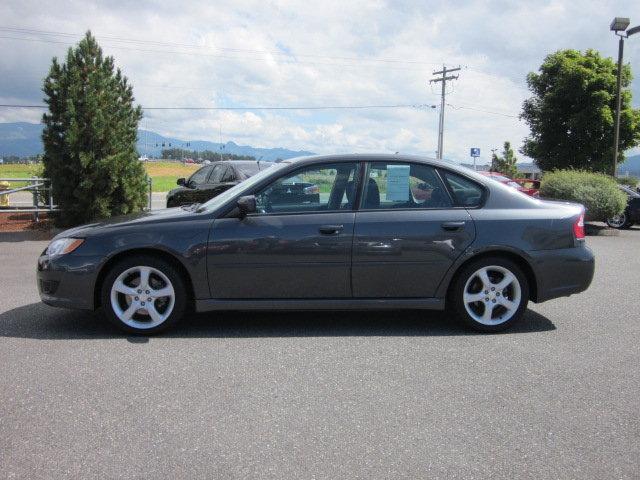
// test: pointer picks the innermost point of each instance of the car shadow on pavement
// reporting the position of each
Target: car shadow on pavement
(40, 322)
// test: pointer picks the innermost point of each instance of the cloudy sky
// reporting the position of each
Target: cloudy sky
(238, 53)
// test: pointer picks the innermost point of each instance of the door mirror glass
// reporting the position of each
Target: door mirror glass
(247, 205)
(181, 181)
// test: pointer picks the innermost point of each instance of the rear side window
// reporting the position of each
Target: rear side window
(465, 192)
(403, 185)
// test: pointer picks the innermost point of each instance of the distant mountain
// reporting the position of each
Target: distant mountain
(23, 139)
(630, 166)
(150, 144)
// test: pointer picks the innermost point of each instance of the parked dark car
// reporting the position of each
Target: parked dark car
(631, 213)
(211, 180)
(470, 244)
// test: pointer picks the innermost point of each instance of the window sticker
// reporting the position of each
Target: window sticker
(398, 183)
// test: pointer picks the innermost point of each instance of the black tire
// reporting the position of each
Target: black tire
(456, 301)
(620, 223)
(180, 300)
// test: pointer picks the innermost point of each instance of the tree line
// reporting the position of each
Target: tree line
(180, 153)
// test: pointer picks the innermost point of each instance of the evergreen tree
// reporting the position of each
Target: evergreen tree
(90, 137)
(506, 164)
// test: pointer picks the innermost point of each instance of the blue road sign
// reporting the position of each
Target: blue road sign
(475, 152)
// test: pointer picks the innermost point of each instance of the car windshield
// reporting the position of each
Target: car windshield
(224, 197)
(629, 191)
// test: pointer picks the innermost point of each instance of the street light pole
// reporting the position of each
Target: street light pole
(616, 135)
(619, 27)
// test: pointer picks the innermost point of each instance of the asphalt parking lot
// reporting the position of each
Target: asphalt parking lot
(325, 395)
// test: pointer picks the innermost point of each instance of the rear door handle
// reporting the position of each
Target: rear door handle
(331, 229)
(453, 225)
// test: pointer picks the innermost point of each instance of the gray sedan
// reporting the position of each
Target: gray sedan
(399, 232)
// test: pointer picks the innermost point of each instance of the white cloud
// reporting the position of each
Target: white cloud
(282, 53)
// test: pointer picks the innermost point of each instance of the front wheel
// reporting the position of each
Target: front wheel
(143, 295)
(490, 295)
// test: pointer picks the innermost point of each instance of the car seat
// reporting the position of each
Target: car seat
(372, 200)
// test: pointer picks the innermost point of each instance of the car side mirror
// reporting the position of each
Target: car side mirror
(247, 205)
(181, 181)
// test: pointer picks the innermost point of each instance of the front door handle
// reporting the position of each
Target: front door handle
(331, 229)
(453, 225)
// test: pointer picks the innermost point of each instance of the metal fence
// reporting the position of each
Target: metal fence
(41, 198)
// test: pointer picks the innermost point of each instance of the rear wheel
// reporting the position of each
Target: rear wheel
(143, 295)
(619, 221)
(490, 294)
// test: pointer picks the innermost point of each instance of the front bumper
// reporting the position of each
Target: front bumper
(562, 272)
(68, 280)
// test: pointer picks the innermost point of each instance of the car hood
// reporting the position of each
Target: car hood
(124, 221)
(176, 190)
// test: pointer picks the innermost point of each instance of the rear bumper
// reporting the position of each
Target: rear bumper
(562, 272)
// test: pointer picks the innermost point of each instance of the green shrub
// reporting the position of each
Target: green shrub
(599, 193)
(629, 181)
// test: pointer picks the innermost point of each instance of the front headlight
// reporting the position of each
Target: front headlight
(63, 245)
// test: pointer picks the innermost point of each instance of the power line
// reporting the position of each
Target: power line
(291, 61)
(196, 46)
(483, 111)
(419, 106)
(323, 107)
(444, 79)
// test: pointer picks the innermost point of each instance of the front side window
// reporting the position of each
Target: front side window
(216, 175)
(465, 192)
(403, 185)
(318, 188)
(200, 176)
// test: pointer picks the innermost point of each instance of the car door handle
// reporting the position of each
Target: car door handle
(452, 225)
(331, 229)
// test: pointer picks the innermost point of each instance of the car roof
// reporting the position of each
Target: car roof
(372, 157)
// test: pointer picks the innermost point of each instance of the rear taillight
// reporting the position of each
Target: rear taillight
(311, 190)
(578, 227)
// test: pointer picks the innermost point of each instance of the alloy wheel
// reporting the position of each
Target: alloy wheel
(142, 297)
(617, 221)
(492, 295)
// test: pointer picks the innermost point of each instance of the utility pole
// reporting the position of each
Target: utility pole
(444, 80)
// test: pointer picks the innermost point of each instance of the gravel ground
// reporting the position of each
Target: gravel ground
(325, 395)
